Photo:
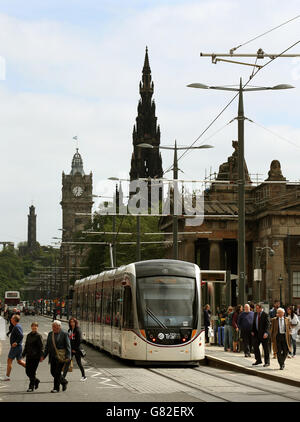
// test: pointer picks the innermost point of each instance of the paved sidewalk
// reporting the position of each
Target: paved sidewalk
(216, 355)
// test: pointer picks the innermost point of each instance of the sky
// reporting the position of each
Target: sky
(73, 67)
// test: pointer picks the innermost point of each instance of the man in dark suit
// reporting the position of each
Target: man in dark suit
(207, 314)
(280, 334)
(260, 333)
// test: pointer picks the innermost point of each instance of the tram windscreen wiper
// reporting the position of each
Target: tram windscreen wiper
(154, 317)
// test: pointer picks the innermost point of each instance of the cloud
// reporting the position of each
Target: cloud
(65, 79)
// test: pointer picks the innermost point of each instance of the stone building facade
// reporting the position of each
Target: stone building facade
(272, 225)
(77, 189)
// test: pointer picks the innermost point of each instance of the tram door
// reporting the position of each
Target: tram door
(117, 312)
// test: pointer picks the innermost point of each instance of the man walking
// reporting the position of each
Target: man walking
(245, 322)
(16, 338)
(58, 347)
(260, 334)
(272, 314)
(280, 334)
(207, 314)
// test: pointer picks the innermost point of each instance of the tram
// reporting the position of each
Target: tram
(148, 311)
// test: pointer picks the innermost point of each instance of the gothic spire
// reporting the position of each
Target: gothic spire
(146, 162)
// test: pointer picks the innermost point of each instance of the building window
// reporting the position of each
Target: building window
(296, 284)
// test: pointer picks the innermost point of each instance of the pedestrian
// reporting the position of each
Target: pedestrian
(74, 333)
(59, 349)
(235, 329)
(15, 352)
(54, 314)
(280, 333)
(15, 311)
(207, 315)
(245, 321)
(272, 314)
(295, 325)
(260, 335)
(228, 330)
(33, 351)
(220, 322)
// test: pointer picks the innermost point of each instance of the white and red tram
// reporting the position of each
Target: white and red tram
(145, 311)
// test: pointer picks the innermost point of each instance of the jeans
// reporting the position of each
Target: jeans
(228, 337)
(221, 336)
(294, 344)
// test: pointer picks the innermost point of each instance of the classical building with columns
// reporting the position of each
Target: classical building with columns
(272, 233)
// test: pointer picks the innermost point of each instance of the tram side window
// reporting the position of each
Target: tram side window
(98, 303)
(85, 305)
(127, 308)
(106, 319)
(80, 311)
(117, 306)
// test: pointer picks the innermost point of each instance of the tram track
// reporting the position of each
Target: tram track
(197, 388)
(219, 395)
(244, 384)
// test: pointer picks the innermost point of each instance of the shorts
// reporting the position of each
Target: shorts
(15, 352)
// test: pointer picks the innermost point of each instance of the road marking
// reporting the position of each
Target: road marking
(105, 383)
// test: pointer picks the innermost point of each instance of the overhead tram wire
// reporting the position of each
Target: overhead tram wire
(236, 95)
(265, 33)
(274, 133)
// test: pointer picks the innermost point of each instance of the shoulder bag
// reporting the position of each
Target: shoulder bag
(60, 353)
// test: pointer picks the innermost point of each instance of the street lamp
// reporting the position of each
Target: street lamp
(175, 178)
(241, 172)
(280, 279)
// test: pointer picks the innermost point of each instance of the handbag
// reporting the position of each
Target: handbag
(82, 352)
(60, 353)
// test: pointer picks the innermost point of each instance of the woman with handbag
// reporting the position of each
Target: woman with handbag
(59, 349)
(74, 333)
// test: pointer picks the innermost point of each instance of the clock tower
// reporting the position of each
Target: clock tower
(77, 198)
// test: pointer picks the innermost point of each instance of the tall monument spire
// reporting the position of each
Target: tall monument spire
(31, 238)
(146, 162)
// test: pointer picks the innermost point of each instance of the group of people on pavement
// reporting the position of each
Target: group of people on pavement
(60, 348)
(250, 327)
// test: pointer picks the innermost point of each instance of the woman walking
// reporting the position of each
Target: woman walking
(235, 329)
(295, 327)
(33, 351)
(74, 333)
(228, 330)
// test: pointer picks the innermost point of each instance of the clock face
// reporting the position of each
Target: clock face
(77, 191)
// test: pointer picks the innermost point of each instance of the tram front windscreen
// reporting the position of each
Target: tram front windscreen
(167, 301)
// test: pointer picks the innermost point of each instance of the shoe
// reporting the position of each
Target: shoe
(274, 357)
(36, 384)
(54, 391)
(83, 378)
(281, 367)
(266, 364)
(256, 363)
(64, 386)
(30, 390)
(290, 356)
(5, 378)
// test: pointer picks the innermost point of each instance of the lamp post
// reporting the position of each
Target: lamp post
(241, 172)
(175, 179)
(280, 279)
